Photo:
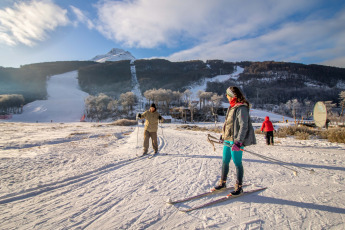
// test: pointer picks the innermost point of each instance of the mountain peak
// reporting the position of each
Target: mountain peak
(116, 51)
(115, 54)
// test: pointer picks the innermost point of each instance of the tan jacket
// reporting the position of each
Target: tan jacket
(151, 123)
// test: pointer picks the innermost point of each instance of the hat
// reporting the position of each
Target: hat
(229, 92)
(153, 105)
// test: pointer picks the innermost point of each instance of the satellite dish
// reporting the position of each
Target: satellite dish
(320, 114)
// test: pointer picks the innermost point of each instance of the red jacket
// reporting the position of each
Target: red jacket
(267, 125)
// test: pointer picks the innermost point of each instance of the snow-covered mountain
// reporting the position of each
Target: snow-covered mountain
(114, 55)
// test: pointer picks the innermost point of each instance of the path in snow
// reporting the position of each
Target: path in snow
(136, 88)
(65, 102)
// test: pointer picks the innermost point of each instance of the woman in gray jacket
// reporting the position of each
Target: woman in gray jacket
(237, 133)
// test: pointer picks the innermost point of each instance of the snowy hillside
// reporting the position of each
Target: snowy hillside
(220, 78)
(65, 102)
(114, 55)
(85, 176)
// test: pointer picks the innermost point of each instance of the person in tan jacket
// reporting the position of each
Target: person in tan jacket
(151, 126)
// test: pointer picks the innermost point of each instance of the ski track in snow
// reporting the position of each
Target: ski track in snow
(81, 176)
(88, 175)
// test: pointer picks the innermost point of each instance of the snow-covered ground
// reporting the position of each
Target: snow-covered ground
(81, 176)
(85, 175)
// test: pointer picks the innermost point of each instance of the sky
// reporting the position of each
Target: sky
(300, 31)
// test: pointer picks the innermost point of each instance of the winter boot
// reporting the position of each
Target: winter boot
(221, 184)
(238, 190)
(144, 153)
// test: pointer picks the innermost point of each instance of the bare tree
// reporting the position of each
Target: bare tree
(308, 108)
(11, 103)
(97, 106)
(294, 106)
(187, 96)
(200, 96)
(177, 95)
(192, 108)
(113, 106)
(165, 95)
(128, 100)
(342, 102)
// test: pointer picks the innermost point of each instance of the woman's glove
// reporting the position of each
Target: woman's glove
(139, 115)
(221, 139)
(236, 146)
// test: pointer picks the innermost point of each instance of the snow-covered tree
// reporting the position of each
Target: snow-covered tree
(113, 106)
(11, 103)
(177, 96)
(187, 96)
(307, 108)
(97, 106)
(128, 100)
(295, 107)
(342, 102)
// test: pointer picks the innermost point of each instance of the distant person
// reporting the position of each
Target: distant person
(268, 128)
(151, 126)
(327, 123)
(237, 133)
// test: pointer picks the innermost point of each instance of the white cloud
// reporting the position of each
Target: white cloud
(225, 29)
(29, 22)
(150, 23)
(81, 17)
(313, 39)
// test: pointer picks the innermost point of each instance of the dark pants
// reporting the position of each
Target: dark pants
(153, 136)
(269, 137)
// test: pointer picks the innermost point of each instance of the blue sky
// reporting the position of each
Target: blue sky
(302, 31)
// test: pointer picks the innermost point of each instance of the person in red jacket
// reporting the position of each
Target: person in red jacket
(268, 128)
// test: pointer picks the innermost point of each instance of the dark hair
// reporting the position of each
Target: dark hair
(239, 95)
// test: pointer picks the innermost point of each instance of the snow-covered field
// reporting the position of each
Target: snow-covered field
(80, 176)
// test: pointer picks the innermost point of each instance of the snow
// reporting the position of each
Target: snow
(114, 55)
(273, 117)
(80, 176)
(65, 102)
(220, 78)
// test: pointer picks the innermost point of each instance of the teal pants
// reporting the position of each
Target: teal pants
(236, 156)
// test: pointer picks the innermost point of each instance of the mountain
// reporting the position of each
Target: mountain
(263, 82)
(114, 55)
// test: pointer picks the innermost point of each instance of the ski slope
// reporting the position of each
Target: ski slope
(65, 102)
(194, 88)
(81, 176)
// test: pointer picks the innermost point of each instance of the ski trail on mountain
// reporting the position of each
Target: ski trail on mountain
(65, 102)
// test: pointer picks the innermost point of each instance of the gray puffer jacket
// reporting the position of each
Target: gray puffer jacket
(238, 126)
